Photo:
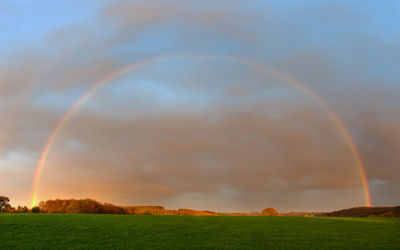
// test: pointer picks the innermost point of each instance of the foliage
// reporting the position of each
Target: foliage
(84, 206)
(96, 231)
(4, 203)
(23, 209)
(89, 206)
(35, 210)
(145, 210)
(390, 212)
(269, 211)
(8, 209)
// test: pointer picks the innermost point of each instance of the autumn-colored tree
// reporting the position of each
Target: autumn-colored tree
(21, 209)
(109, 208)
(9, 209)
(4, 203)
(79, 206)
(145, 210)
(269, 211)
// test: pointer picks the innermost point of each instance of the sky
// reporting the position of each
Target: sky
(197, 128)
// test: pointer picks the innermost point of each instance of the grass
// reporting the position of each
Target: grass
(72, 231)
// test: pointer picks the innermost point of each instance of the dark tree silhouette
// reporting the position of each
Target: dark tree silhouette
(35, 210)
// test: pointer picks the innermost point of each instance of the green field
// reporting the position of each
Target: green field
(134, 231)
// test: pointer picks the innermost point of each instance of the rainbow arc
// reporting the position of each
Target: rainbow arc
(295, 83)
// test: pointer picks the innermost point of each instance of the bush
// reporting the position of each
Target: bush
(269, 211)
(35, 210)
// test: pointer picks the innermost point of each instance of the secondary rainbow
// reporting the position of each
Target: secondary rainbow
(295, 83)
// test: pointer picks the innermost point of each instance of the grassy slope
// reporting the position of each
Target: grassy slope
(127, 231)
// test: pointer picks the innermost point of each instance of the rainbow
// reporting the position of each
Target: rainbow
(295, 83)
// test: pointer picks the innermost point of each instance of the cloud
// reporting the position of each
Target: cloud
(245, 149)
(189, 130)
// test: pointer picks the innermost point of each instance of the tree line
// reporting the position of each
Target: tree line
(388, 212)
(63, 206)
(90, 206)
(5, 207)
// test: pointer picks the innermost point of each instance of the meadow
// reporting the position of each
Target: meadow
(51, 231)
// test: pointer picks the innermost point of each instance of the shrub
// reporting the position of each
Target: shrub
(35, 210)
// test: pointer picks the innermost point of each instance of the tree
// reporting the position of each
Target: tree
(4, 202)
(20, 209)
(269, 211)
(35, 210)
(25, 209)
